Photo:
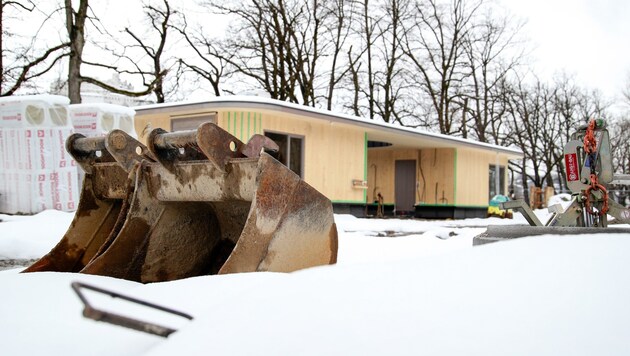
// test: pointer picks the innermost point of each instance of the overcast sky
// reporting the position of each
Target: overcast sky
(588, 38)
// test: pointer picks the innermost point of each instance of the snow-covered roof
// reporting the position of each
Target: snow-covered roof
(377, 131)
(49, 98)
(112, 108)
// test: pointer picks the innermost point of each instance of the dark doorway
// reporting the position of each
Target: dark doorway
(405, 186)
(291, 151)
(496, 184)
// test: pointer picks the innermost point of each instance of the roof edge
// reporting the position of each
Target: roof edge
(260, 102)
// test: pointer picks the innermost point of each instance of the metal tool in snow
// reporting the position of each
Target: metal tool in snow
(588, 167)
(190, 203)
(91, 312)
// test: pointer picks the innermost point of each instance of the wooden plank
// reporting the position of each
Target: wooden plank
(473, 177)
(333, 153)
(434, 176)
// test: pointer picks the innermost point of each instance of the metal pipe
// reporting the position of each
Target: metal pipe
(177, 139)
(89, 144)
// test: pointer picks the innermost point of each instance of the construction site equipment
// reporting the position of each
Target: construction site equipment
(89, 311)
(588, 167)
(190, 203)
(494, 207)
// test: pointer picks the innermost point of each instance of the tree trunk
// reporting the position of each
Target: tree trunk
(75, 24)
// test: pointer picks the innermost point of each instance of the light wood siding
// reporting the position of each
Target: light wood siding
(144, 123)
(334, 154)
(434, 176)
(438, 168)
(241, 124)
(472, 176)
(163, 120)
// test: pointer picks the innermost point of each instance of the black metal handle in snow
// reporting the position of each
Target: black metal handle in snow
(101, 315)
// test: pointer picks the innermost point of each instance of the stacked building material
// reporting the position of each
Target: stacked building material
(97, 119)
(36, 172)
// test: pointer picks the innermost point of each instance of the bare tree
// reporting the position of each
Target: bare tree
(159, 21)
(378, 72)
(76, 28)
(368, 33)
(620, 145)
(25, 59)
(207, 62)
(531, 123)
(435, 47)
(392, 81)
(626, 91)
(339, 27)
(278, 44)
(491, 56)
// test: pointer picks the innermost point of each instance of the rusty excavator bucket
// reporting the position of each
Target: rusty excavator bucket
(190, 203)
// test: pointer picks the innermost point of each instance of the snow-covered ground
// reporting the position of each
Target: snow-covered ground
(399, 287)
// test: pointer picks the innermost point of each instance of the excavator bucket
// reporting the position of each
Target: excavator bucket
(195, 203)
(105, 190)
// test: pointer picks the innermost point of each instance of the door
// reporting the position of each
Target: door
(405, 185)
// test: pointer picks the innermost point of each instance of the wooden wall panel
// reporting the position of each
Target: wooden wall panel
(334, 154)
(380, 175)
(436, 180)
(163, 119)
(472, 176)
(434, 174)
(144, 123)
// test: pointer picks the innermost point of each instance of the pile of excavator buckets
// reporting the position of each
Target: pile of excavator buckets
(190, 203)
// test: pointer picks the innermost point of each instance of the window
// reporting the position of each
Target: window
(291, 152)
(192, 122)
(494, 180)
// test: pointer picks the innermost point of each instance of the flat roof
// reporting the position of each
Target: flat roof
(399, 136)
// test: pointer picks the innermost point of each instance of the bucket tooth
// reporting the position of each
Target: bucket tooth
(193, 203)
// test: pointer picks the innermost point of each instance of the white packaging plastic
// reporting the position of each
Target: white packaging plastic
(93, 120)
(37, 172)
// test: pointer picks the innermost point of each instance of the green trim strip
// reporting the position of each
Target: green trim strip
(365, 164)
(348, 202)
(228, 120)
(242, 122)
(455, 180)
(260, 123)
(248, 123)
(453, 205)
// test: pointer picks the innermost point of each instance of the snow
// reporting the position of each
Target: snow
(48, 98)
(28, 237)
(399, 287)
(105, 107)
